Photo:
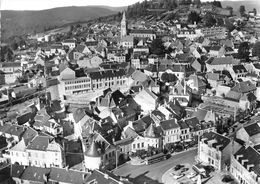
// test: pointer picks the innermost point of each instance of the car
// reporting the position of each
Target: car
(194, 179)
(191, 175)
(178, 167)
(184, 169)
(178, 176)
(227, 178)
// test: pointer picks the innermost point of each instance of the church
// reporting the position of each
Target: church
(128, 35)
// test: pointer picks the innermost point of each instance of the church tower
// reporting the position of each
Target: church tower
(123, 26)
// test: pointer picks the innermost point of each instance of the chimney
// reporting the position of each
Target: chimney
(130, 124)
(106, 176)
(249, 166)
(239, 156)
(244, 161)
(218, 146)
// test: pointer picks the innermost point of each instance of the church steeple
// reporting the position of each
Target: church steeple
(123, 26)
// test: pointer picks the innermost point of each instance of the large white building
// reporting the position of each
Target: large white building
(42, 151)
(70, 84)
(245, 165)
(215, 150)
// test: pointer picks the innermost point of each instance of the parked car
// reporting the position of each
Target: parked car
(199, 169)
(227, 178)
(178, 176)
(191, 175)
(178, 167)
(184, 169)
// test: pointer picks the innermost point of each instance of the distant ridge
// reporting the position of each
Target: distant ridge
(249, 4)
(24, 22)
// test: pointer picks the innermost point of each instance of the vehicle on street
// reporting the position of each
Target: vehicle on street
(191, 175)
(178, 176)
(184, 169)
(199, 169)
(178, 167)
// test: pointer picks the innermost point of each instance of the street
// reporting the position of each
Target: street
(155, 171)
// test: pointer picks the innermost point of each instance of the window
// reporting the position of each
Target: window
(142, 144)
(138, 145)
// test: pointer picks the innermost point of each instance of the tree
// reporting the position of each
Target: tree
(256, 50)
(243, 51)
(255, 12)
(157, 47)
(230, 9)
(194, 17)
(209, 20)
(217, 4)
(242, 10)
(14, 45)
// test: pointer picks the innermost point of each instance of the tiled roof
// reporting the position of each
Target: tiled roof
(244, 87)
(141, 31)
(150, 132)
(107, 74)
(253, 129)
(221, 61)
(92, 150)
(9, 64)
(16, 130)
(220, 140)
(239, 69)
(252, 156)
(67, 176)
(35, 174)
(39, 143)
(169, 124)
(78, 115)
(106, 177)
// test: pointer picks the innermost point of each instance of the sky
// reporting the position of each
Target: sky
(47, 4)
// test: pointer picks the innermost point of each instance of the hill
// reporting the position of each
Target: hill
(249, 5)
(24, 22)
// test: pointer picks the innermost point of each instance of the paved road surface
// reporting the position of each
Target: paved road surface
(155, 171)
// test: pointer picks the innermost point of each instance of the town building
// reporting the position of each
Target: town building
(215, 150)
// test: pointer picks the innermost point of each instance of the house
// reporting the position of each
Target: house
(216, 51)
(142, 33)
(31, 174)
(71, 43)
(217, 79)
(197, 84)
(244, 165)
(249, 134)
(69, 84)
(12, 132)
(213, 31)
(171, 131)
(197, 127)
(127, 42)
(53, 127)
(244, 87)
(107, 78)
(220, 64)
(11, 67)
(238, 71)
(146, 99)
(253, 68)
(214, 150)
(44, 151)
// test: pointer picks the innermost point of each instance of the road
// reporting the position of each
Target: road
(155, 171)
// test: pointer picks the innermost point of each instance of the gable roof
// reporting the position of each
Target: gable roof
(220, 140)
(244, 87)
(222, 61)
(169, 124)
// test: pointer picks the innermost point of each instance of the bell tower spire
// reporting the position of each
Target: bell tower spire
(123, 26)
